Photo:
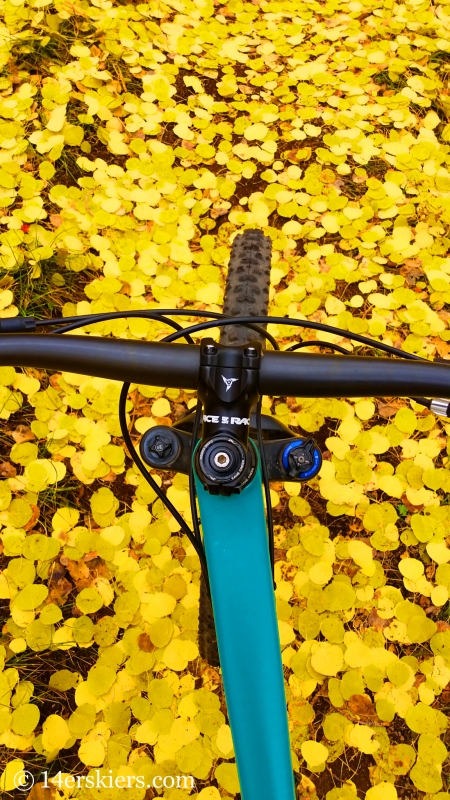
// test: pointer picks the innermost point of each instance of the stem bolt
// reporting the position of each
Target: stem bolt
(251, 352)
(210, 350)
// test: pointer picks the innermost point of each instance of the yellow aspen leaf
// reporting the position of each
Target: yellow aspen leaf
(178, 653)
(363, 738)
(439, 552)
(330, 223)
(360, 552)
(227, 777)
(320, 573)
(57, 118)
(328, 659)
(274, 498)
(377, 443)
(13, 776)
(358, 655)
(182, 732)
(92, 753)
(224, 740)
(349, 429)
(382, 791)
(256, 131)
(209, 294)
(286, 633)
(439, 595)
(391, 485)
(405, 420)
(419, 497)
(365, 409)
(65, 518)
(314, 753)
(145, 733)
(411, 568)
(160, 605)
(55, 733)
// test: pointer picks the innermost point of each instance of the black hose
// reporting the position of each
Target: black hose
(192, 492)
(144, 471)
(72, 323)
(318, 343)
(266, 488)
(301, 323)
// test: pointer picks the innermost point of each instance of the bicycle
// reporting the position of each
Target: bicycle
(230, 450)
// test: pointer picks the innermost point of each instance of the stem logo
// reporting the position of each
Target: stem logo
(226, 420)
(228, 382)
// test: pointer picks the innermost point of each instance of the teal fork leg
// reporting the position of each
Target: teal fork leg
(235, 538)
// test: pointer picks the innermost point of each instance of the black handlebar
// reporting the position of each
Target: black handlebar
(178, 365)
(153, 363)
(310, 375)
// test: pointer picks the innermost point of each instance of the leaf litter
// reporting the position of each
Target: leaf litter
(135, 142)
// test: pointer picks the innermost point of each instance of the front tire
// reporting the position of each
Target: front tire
(246, 294)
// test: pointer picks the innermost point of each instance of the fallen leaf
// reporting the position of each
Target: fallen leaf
(362, 707)
(34, 518)
(42, 792)
(78, 570)
(59, 591)
(7, 470)
(387, 410)
(22, 434)
(145, 643)
(374, 621)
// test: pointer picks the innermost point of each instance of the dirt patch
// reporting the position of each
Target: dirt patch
(351, 766)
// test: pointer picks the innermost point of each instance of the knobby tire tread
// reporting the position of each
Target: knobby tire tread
(246, 294)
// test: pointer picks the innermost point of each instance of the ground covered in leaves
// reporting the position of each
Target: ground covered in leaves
(136, 140)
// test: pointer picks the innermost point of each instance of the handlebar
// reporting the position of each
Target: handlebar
(178, 365)
(153, 363)
(311, 375)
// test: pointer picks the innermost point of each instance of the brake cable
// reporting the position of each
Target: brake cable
(192, 491)
(72, 323)
(266, 490)
(148, 477)
(318, 343)
(24, 324)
